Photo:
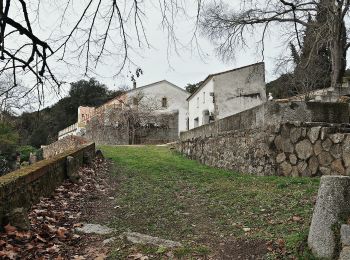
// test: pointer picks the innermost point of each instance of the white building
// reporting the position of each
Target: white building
(162, 97)
(226, 93)
(159, 97)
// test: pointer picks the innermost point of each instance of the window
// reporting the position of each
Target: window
(164, 102)
(135, 102)
(203, 97)
(197, 102)
(196, 122)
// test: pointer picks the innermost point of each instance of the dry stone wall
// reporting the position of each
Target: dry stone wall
(291, 149)
(312, 149)
(65, 144)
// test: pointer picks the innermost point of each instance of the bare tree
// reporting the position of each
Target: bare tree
(89, 31)
(229, 28)
(15, 99)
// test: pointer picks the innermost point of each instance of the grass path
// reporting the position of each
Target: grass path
(163, 194)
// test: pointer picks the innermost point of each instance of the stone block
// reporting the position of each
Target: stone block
(304, 149)
(345, 235)
(314, 133)
(345, 253)
(325, 170)
(332, 202)
(337, 138)
(313, 165)
(327, 144)
(325, 158)
(281, 158)
(18, 218)
(293, 159)
(295, 172)
(72, 169)
(295, 134)
(337, 167)
(318, 147)
(285, 169)
(336, 151)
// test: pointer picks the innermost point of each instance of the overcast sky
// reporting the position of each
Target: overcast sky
(181, 68)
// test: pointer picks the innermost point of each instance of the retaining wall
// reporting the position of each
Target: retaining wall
(62, 145)
(272, 139)
(24, 187)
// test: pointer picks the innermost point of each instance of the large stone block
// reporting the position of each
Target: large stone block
(295, 134)
(304, 149)
(313, 134)
(325, 158)
(332, 201)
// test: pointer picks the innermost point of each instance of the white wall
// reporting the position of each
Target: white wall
(153, 94)
(196, 105)
(239, 90)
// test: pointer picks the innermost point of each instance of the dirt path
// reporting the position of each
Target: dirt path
(53, 221)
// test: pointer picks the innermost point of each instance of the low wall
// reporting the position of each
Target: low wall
(274, 113)
(113, 128)
(24, 187)
(62, 145)
(292, 149)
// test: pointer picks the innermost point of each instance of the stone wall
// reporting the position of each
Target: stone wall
(113, 128)
(245, 151)
(63, 145)
(24, 187)
(291, 149)
(312, 149)
(267, 140)
(274, 113)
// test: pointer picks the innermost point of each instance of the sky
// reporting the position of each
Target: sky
(179, 67)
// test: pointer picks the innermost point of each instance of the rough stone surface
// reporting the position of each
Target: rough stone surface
(336, 151)
(18, 218)
(271, 151)
(332, 201)
(281, 157)
(304, 149)
(313, 134)
(337, 167)
(293, 159)
(285, 169)
(318, 147)
(108, 241)
(337, 138)
(138, 238)
(295, 134)
(346, 159)
(72, 169)
(325, 170)
(345, 253)
(345, 235)
(327, 144)
(295, 172)
(95, 229)
(313, 165)
(325, 158)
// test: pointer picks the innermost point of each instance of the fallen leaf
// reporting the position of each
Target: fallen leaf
(10, 229)
(61, 231)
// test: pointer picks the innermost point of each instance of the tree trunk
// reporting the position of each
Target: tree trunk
(338, 53)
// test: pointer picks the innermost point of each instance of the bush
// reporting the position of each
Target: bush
(25, 151)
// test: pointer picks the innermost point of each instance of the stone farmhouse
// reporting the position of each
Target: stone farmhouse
(227, 93)
(161, 98)
(175, 110)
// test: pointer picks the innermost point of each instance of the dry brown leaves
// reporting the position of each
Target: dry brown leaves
(53, 221)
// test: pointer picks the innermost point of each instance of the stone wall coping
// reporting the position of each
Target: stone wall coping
(13, 181)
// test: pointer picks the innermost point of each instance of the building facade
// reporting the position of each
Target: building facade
(160, 98)
(227, 93)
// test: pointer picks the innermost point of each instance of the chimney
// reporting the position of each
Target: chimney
(134, 83)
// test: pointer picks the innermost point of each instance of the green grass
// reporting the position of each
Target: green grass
(161, 193)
